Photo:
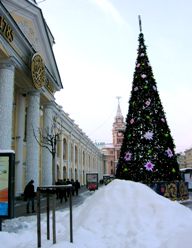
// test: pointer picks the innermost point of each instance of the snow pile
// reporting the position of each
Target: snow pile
(128, 214)
(123, 214)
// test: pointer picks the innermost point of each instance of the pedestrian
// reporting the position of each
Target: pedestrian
(77, 186)
(63, 191)
(29, 195)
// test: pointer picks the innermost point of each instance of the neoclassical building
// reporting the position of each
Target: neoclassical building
(29, 78)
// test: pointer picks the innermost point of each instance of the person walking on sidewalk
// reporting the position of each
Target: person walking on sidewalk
(29, 195)
(77, 187)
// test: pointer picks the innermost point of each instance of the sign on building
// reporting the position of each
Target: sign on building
(92, 181)
(7, 169)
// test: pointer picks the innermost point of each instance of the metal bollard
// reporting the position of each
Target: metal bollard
(52, 189)
(71, 216)
(48, 222)
(38, 219)
(53, 220)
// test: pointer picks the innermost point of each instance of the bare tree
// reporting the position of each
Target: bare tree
(48, 138)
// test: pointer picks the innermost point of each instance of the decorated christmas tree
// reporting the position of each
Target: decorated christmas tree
(147, 153)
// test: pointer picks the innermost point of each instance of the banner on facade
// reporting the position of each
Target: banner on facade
(7, 160)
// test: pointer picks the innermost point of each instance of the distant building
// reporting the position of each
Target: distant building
(185, 159)
(111, 151)
(188, 158)
(181, 159)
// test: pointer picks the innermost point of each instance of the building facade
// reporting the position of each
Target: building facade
(29, 78)
(185, 159)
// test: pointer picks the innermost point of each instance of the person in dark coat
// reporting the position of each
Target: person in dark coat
(63, 191)
(29, 195)
(77, 187)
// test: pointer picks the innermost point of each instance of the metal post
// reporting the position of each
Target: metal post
(53, 169)
(38, 219)
(53, 221)
(71, 220)
(0, 224)
(48, 222)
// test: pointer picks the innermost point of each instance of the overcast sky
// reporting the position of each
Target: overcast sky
(96, 49)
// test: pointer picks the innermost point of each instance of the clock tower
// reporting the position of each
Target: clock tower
(111, 151)
(117, 132)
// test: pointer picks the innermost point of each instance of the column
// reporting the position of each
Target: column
(6, 103)
(47, 162)
(73, 164)
(61, 154)
(69, 158)
(20, 137)
(32, 154)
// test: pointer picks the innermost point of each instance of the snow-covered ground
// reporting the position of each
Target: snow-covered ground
(123, 214)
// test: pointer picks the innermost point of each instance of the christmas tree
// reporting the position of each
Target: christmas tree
(147, 153)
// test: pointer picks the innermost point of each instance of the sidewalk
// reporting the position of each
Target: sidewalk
(20, 205)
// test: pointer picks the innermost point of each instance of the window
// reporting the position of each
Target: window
(71, 152)
(64, 149)
(76, 155)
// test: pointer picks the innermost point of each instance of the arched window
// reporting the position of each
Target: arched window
(83, 158)
(76, 174)
(89, 163)
(76, 155)
(64, 172)
(65, 149)
(71, 173)
(71, 153)
(58, 147)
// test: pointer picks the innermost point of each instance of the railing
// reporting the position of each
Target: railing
(52, 190)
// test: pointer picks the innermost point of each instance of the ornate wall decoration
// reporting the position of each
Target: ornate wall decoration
(38, 71)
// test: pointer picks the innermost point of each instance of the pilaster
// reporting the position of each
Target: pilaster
(20, 138)
(61, 154)
(69, 158)
(7, 70)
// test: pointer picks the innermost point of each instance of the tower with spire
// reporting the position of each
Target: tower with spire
(117, 132)
(111, 151)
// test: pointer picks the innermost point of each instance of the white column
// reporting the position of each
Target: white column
(47, 156)
(73, 164)
(6, 103)
(20, 137)
(69, 158)
(61, 154)
(33, 121)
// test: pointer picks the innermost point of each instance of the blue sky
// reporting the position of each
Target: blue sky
(96, 49)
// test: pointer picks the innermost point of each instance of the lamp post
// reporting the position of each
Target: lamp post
(55, 138)
(54, 160)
